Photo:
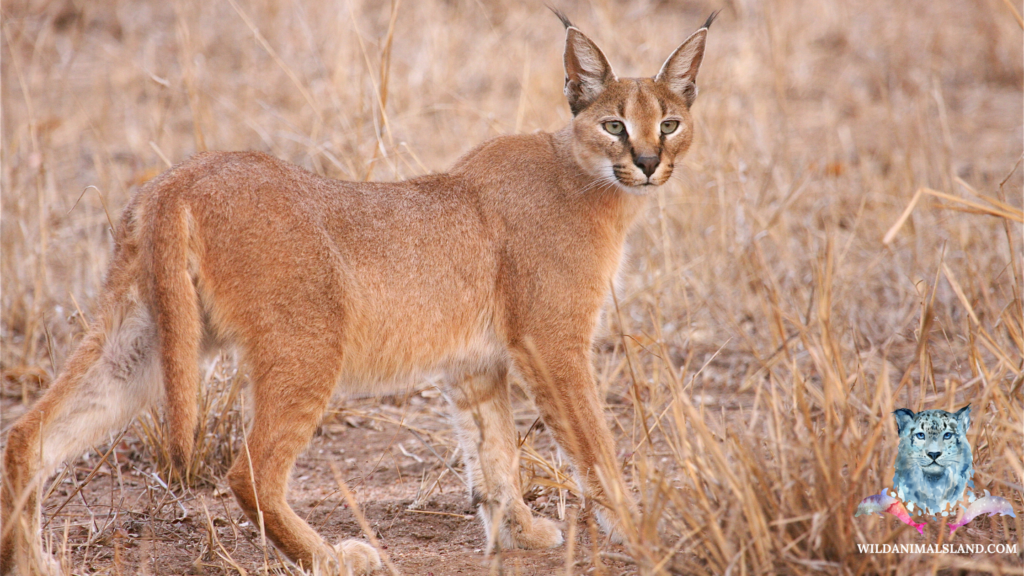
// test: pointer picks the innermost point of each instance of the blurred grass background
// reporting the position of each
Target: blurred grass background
(767, 328)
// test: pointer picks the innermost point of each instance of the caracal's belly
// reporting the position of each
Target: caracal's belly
(405, 322)
(419, 275)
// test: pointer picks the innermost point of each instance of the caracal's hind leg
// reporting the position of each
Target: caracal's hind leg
(112, 375)
(562, 381)
(290, 397)
(487, 435)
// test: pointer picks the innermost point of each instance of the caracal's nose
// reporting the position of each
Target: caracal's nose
(647, 163)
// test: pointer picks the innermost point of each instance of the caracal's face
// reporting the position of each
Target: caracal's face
(632, 134)
(629, 132)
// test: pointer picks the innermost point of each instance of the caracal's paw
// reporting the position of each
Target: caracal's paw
(537, 534)
(51, 566)
(357, 557)
(611, 526)
(42, 564)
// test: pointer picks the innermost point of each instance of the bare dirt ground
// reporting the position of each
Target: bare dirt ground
(124, 521)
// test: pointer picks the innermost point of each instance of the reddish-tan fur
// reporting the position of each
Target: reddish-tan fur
(502, 264)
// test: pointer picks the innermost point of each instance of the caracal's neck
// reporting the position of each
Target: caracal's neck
(611, 203)
(538, 178)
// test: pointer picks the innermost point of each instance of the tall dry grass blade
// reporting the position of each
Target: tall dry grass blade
(1000, 204)
(277, 59)
(221, 551)
(92, 474)
(634, 389)
(1016, 14)
(570, 544)
(110, 221)
(448, 466)
(895, 228)
(1009, 212)
(385, 68)
(363, 524)
(186, 59)
(959, 293)
(160, 153)
(378, 90)
(259, 510)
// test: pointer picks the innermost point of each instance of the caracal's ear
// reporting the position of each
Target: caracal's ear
(587, 71)
(679, 72)
(904, 416)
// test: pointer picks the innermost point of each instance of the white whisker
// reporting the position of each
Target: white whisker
(598, 182)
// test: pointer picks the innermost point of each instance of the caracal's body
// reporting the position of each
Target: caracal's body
(500, 265)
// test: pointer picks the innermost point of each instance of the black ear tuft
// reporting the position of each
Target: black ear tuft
(904, 416)
(707, 23)
(561, 16)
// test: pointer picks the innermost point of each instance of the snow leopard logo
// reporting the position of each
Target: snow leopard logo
(934, 463)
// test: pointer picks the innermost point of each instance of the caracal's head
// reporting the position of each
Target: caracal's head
(630, 131)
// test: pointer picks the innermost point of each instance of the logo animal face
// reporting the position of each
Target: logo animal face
(933, 440)
(934, 461)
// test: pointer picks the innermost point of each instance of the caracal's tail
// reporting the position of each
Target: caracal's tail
(175, 303)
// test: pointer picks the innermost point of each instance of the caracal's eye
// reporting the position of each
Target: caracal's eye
(614, 127)
(919, 435)
(669, 126)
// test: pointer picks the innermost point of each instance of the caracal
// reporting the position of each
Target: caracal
(499, 266)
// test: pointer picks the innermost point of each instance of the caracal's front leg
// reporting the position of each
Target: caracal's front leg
(562, 381)
(487, 435)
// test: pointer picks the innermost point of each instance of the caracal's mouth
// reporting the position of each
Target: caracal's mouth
(644, 187)
(633, 182)
(637, 189)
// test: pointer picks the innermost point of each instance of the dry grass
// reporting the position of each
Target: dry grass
(766, 332)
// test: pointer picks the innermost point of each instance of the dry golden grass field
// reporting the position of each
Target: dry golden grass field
(844, 239)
